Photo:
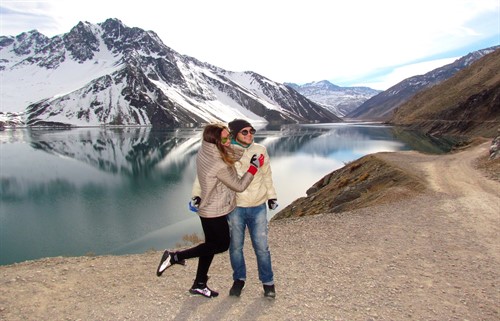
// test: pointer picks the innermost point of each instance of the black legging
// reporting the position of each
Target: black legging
(216, 241)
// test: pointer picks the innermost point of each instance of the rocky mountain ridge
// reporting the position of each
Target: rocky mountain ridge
(108, 74)
(380, 107)
(466, 104)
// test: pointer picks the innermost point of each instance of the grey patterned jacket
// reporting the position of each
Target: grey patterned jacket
(219, 182)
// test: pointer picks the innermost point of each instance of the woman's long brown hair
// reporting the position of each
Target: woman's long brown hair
(211, 134)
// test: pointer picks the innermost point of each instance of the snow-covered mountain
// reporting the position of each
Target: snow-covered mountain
(339, 100)
(110, 74)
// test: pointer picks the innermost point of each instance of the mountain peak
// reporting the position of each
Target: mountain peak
(109, 74)
(325, 84)
(25, 43)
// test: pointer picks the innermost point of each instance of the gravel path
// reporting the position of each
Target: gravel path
(434, 256)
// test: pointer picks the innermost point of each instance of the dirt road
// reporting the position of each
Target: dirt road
(434, 256)
(464, 192)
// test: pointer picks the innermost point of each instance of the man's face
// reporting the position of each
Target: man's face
(245, 136)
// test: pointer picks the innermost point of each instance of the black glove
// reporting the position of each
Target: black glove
(194, 204)
(272, 204)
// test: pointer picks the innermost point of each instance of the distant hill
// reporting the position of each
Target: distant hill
(466, 104)
(381, 106)
(339, 100)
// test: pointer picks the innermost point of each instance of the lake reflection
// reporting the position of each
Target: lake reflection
(116, 191)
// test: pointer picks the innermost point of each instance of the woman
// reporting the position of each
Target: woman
(219, 183)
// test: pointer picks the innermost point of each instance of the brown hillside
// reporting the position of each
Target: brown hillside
(466, 104)
(365, 182)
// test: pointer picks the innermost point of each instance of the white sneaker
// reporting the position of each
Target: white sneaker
(164, 263)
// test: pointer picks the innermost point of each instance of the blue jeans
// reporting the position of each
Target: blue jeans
(256, 220)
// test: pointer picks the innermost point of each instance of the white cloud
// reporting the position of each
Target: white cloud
(288, 41)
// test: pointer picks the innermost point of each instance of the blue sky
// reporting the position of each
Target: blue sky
(350, 43)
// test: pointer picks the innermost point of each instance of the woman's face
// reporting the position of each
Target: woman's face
(225, 138)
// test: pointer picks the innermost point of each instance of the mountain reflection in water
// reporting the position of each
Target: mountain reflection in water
(116, 191)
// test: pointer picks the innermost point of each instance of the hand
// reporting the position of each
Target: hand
(194, 204)
(272, 203)
(255, 163)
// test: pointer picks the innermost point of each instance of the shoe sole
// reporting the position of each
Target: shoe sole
(204, 292)
(164, 263)
(235, 294)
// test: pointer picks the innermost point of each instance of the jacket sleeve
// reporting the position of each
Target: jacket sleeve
(229, 177)
(267, 176)
(196, 191)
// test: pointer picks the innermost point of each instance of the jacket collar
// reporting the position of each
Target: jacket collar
(235, 142)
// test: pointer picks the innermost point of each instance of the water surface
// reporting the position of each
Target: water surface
(115, 191)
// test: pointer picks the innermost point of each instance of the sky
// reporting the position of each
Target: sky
(349, 43)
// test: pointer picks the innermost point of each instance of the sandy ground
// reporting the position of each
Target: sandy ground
(434, 256)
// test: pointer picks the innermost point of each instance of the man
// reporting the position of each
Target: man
(250, 211)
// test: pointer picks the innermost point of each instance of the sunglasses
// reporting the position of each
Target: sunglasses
(245, 132)
(224, 140)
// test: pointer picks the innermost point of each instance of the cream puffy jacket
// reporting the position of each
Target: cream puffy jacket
(261, 188)
(218, 182)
